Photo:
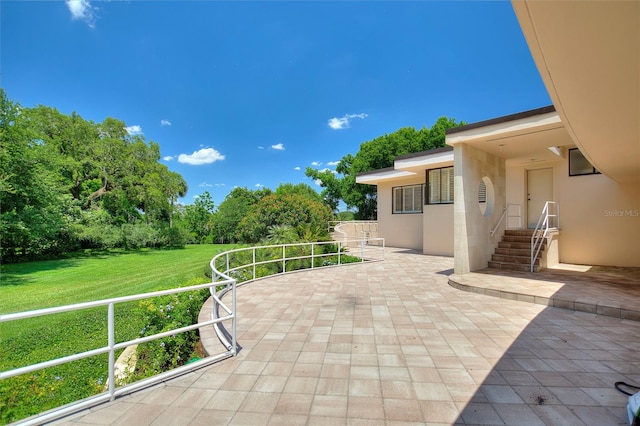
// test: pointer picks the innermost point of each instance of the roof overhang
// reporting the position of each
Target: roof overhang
(373, 178)
(588, 55)
(419, 162)
(527, 137)
(409, 165)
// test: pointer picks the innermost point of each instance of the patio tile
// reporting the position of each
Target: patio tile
(402, 410)
(481, 414)
(518, 414)
(226, 400)
(329, 406)
(365, 408)
(294, 404)
(364, 388)
(345, 347)
(250, 419)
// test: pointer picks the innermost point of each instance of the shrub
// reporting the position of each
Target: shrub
(166, 313)
(289, 209)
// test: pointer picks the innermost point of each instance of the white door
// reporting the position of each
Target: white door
(539, 191)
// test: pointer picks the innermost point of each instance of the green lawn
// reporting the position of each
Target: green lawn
(82, 278)
(34, 285)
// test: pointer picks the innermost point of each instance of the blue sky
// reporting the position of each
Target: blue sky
(251, 93)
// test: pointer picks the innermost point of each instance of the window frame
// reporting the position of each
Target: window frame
(402, 189)
(594, 170)
(448, 185)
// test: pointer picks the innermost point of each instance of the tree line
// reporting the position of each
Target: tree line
(68, 184)
(375, 154)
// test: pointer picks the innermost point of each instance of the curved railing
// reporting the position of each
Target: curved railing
(355, 229)
(229, 269)
(112, 392)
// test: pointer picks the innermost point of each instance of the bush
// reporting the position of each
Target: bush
(163, 314)
(291, 209)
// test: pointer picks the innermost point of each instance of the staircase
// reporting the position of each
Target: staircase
(514, 251)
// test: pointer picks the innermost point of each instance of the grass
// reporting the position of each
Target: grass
(81, 278)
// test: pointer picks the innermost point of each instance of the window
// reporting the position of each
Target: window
(482, 192)
(579, 165)
(440, 183)
(407, 199)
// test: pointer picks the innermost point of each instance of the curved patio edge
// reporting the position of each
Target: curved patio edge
(562, 293)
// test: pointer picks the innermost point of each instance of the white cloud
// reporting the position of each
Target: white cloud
(165, 123)
(326, 169)
(204, 184)
(169, 157)
(218, 185)
(261, 147)
(202, 156)
(278, 147)
(134, 130)
(296, 168)
(82, 10)
(344, 121)
(316, 163)
(318, 182)
(259, 185)
(333, 163)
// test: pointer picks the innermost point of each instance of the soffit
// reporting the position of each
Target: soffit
(588, 55)
(525, 140)
(418, 164)
(373, 178)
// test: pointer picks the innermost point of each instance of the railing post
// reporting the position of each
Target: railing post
(254, 262)
(339, 251)
(284, 258)
(312, 254)
(233, 320)
(112, 353)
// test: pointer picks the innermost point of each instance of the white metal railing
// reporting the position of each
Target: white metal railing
(355, 229)
(507, 215)
(236, 262)
(550, 213)
(112, 392)
(223, 281)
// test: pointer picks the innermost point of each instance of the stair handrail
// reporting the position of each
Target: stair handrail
(542, 228)
(505, 213)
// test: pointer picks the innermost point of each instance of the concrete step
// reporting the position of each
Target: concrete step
(517, 246)
(516, 238)
(518, 260)
(508, 251)
(513, 267)
(519, 232)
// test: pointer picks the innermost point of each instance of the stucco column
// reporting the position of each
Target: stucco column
(473, 244)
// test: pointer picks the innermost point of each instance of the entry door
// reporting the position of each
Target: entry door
(539, 191)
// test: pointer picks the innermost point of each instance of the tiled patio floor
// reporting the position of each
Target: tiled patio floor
(393, 343)
(600, 290)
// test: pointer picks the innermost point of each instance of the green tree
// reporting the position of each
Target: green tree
(331, 186)
(293, 210)
(33, 206)
(376, 154)
(232, 210)
(300, 189)
(66, 182)
(198, 217)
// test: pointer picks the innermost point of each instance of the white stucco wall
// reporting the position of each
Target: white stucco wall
(599, 217)
(437, 230)
(398, 230)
